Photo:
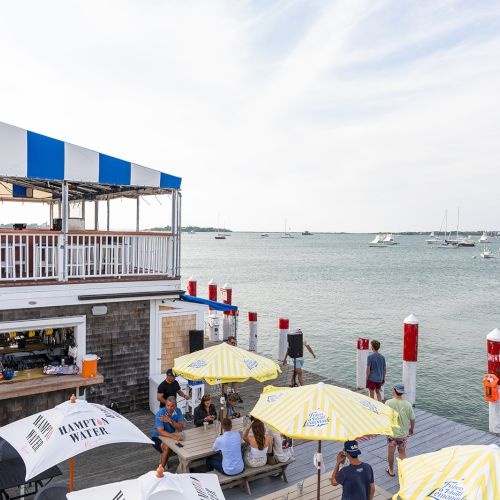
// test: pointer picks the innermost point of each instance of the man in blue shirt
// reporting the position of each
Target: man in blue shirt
(229, 444)
(356, 478)
(375, 371)
(168, 423)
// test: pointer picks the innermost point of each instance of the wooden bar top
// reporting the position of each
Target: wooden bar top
(36, 382)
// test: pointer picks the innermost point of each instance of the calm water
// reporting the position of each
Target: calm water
(336, 289)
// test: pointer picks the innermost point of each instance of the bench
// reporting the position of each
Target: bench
(251, 473)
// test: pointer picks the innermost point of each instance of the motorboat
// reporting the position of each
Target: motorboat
(466, 242)
(389, 240)
(306, 233)
(220, 236)
(484, 238)
(377, 242)
(433, 239)
(486, 254)
(264, 235)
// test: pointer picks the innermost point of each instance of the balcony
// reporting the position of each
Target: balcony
(27, 256)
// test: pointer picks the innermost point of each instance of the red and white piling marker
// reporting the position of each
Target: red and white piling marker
(362, 352)
(410, 354)
(493, 342)
(228, 323)
(252, 326)
(191, 287)
(212, 291)
(284, 327)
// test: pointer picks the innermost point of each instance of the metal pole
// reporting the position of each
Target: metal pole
(107, 215)
(64, 216)
(137, 214)
(318, 487)
(51, 211)
(96, 215)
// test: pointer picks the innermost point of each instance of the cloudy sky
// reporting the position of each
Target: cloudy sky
(345, 115)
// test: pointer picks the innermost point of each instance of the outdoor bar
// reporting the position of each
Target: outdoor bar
(74, 286)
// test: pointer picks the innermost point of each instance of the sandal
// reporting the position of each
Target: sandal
(389, 472)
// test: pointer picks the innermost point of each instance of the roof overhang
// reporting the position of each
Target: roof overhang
(33, 167)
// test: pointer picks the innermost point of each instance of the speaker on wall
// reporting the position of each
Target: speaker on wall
(196, 341)
(295, 344)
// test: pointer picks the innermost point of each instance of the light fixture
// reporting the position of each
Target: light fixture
(99, 310)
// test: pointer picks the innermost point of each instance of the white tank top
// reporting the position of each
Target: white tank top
(256, 453)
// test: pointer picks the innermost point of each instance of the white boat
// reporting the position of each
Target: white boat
(486, 254)
(484, 238)
(433, 239)
(220, 236)
(389, 240)
(446, 243)
(286, 234)
(378, 242)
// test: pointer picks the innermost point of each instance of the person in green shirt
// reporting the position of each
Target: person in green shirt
(406, 421)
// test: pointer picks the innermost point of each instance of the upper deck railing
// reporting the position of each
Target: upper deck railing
(42, 255)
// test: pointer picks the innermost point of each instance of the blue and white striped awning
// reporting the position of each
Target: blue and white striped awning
(28, 155)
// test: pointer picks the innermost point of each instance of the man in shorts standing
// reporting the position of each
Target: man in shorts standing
(406, 422)
(298, 363)
(375, 371)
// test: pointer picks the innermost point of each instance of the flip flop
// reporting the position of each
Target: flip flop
(388, 472)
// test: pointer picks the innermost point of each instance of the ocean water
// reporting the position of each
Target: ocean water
(337, 289)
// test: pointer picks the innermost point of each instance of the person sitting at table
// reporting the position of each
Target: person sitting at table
(205, 411)
(231, 411)
(168, 423)
(229, 444)
(280, 453)
(259, 444)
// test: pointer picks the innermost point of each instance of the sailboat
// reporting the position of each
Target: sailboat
(287, 235)
(447, 243)
(220, 235)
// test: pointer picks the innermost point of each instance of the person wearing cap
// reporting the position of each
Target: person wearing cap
(298, 363)
(169, 387)
(406, 422)
(356, 479)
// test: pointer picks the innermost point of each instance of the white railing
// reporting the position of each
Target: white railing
(39, 256)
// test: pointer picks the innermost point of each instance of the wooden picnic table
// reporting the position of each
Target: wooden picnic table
(197, 445)
(328, 492)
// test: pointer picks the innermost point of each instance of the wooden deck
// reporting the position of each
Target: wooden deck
(126, 461)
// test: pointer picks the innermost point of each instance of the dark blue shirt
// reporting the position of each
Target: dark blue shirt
(376, 363)
(176, 417)
(355, 481)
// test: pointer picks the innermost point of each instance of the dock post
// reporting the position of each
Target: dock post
(212, 291)
(252, 325)
(191, 286)
(227, 320)
(410, 354)
(493, 343)
(283, 325)
(361, 362)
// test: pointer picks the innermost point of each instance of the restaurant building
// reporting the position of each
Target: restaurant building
(73, 289)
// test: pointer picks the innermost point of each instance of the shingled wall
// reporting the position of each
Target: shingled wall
(120, 338)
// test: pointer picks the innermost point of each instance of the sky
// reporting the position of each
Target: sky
(338, 115)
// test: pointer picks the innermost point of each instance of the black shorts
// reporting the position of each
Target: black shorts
(157, 445)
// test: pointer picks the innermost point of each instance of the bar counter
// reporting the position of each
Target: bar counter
(28, 382)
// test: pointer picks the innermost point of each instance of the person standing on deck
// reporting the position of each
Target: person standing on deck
(376, 371)
(298, 363)
(406, 422)
(356, 479)
(169, 387)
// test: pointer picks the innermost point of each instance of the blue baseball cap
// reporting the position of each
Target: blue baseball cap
(399, 388)
(352, 448)
(170, 373)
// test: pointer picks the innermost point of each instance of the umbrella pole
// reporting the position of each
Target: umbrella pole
(319, 473)
(71, 472)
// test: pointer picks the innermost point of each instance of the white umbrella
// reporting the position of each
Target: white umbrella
(155, 486)
(48, 438)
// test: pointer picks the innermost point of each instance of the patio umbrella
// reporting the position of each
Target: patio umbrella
(470, 472)
(157, 485)
(323, 412)
(52, 436)
(223, 363)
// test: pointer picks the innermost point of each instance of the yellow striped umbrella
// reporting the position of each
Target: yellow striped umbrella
(323, 412)
(223, 363)
(459, 472)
